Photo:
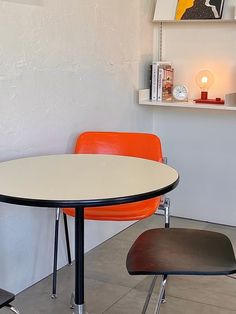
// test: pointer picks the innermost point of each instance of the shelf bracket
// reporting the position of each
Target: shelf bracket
(160, 41)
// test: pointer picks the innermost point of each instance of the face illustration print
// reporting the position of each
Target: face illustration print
(212, 4)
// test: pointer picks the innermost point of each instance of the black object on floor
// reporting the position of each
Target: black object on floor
(5, 299)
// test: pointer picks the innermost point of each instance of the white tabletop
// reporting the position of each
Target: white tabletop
(83, 180)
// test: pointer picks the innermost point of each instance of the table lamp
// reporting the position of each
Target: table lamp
(204, 80)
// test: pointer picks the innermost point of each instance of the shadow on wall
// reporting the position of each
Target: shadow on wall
(29, 2)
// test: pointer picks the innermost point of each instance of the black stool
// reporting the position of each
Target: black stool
(5, 299)
(179, 252)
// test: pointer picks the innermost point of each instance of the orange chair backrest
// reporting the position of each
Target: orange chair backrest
(142, 145)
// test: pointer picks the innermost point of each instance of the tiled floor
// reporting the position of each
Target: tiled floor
(110, 290)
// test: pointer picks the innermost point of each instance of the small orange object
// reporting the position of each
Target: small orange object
(214, 101)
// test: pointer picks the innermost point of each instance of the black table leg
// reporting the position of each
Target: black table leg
(79, 261)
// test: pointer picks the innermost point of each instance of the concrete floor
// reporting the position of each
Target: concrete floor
(111, 290)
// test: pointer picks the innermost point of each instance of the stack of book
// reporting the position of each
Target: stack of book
(161, 82)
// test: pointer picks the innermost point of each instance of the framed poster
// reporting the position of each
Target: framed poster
(165, 10)
(199, 9)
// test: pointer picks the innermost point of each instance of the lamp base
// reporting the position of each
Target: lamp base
(215, 101)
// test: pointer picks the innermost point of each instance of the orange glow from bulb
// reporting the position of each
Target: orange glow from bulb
(204, 80)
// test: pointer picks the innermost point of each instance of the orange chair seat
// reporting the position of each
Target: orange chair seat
(131, 211)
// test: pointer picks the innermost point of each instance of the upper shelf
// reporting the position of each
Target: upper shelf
(165, 12)
(144, 100)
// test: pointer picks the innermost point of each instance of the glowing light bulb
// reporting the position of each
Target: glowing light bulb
(204, 80)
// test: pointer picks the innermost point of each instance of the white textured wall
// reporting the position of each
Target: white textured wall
(200, 143)
(65, 66)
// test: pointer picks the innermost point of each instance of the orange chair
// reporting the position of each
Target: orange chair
(140, 145)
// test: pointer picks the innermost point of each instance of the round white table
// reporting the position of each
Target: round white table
(81, 181)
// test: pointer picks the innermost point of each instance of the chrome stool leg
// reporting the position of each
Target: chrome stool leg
(13, 309)
(149, 294)
(163, 300)
(160, 297)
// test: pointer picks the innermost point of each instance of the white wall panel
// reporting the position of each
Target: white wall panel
(65, 67)
(200, 143)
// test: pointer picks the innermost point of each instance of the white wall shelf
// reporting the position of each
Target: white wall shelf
(144, 100)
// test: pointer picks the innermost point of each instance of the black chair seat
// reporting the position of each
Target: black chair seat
(6, 298)
(181, 252)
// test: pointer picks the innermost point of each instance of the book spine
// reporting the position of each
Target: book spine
(150, 82)
(167, 84)
(160, 81)
(154, 81)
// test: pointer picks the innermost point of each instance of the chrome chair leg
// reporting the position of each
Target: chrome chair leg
(160, 297)
(166, 207)
(13, 309)
(67, 239)
(149, 294)
(54, 282)
(165, 203)
(72, 300)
